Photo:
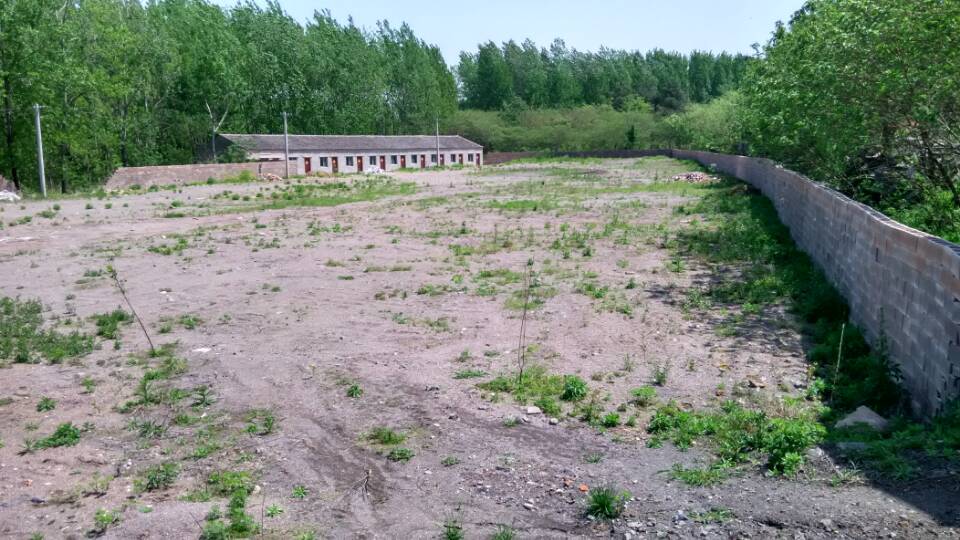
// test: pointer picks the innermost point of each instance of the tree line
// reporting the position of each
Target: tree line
(525, 75)
(126, 83)
(865, 95)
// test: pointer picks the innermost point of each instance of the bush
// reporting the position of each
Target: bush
(158, 477)
(606, 502)
(574, 388)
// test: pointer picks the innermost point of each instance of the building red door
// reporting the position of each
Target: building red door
(478, 160)
(306, 165)
(359, 163)
(383, 163)
(441, 160)
(423, 161)
(461, 159)
(334, 162)
(403, 162)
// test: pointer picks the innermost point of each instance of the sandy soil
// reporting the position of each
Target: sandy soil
(298, 304)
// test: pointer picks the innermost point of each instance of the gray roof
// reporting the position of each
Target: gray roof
(352, 143)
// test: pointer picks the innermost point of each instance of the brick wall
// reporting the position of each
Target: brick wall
(188, 174)
(900, 283)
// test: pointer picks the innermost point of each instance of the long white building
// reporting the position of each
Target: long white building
(310, 154)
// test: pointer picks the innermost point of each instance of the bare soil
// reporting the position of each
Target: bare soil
(297, 304)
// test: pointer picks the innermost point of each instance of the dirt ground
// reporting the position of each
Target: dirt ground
(289, 308)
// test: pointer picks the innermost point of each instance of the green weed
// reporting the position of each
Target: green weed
(606, 502)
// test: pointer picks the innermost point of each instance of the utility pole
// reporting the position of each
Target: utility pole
(438, 141)
(286, 147)
(43, 175)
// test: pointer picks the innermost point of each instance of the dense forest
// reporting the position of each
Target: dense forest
(524, 75)
(130, 83)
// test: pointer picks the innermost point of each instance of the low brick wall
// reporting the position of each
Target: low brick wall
(901, 284)
(188, 174)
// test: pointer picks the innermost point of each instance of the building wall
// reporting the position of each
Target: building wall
(298, 163)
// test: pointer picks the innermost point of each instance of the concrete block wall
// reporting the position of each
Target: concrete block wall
(901, 284)
(188, 174)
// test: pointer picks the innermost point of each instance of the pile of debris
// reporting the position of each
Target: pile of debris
(271, 177)
(8, 191)
(695, 178)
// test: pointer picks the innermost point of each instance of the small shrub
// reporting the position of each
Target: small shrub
(644, 396)
(606, 502)
(659, 374)
(469, 374)
(46, 404)
(574, 388)
(108, 324)
(400, 454)
(225, 483)
(354, 391)
(103, 519)
(65, 435)
(452, 530)
(386, 436)
(697, 476)
(158, 477)
(593, 457)
(611, 420)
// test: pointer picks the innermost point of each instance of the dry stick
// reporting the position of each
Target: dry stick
(836, 371)
(113, 273)
(521, 357)
(263, 501)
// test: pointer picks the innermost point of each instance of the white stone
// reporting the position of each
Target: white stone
(864, 415)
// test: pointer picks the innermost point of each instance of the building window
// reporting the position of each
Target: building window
(470, 158)
(433, 158)
(453, 158)
(373, 160)
(324, 162)
(393, 159)
(350, 161)
(413, 158)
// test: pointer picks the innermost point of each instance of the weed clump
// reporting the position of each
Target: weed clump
(606, 502)
(66, 434)
(386, 436)
(736, 434)
(23, 338)
(158, 477)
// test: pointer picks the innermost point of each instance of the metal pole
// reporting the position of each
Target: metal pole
(43, 175)
(438, 141)
(286, 147)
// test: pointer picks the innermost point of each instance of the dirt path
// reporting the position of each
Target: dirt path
(298, 304)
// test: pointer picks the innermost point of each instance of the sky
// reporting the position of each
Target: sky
(679, 25)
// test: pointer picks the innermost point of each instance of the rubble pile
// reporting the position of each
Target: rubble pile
(695, 178)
